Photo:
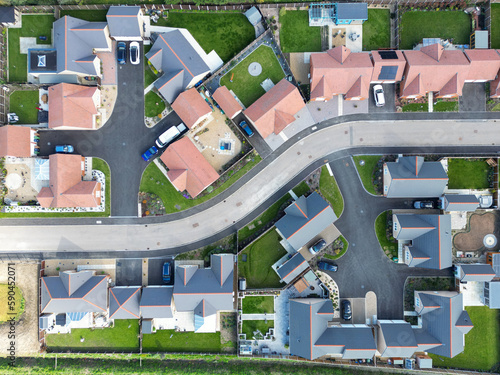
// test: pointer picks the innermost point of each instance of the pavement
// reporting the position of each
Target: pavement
(473, 97)
(129, 272)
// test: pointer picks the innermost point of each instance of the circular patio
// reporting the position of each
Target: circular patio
(255, 69)
(13, 181)
(483, 231)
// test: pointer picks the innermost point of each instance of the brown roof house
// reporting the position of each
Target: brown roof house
(15, 141)
(275, 110)
(191, 108)
(388, 66)
(66, 186)
(73, 106)
(227, 102)
(484, 65)
(340, 72)
(187, 168)
(434, 69)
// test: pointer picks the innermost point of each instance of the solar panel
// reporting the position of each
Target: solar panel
(388, 72)
(388, 55)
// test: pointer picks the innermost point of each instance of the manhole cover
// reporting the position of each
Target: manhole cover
(255, 69)
(490, 241)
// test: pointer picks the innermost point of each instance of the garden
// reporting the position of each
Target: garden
(295, 33)
(257, 305)
(439, 106)
(495, 26)
(369, 168)
(224, 245)
(469, 174)
(425, 284)
(153, 104)
(24, 104)
(256, 328)
(377, 30)
(254, 263)
(330, 191)
(33, 26)
(246, 86)
(169, 340)
(383, 230)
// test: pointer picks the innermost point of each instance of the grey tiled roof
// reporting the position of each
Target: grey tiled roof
(7, 14)
(214, 284)
(396, 339)
(172, 53)
(124, 302)
(156, 302)
(123, 21)
(253, 15)
(430, 236)
(476, 272)
(492, 294)
(352, 11)
(411, 177)
(458, 202)
(74, 292)
(305, 219)
(292, 268)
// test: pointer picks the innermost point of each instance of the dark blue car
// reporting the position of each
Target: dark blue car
(246, 128)
(166, 272)
(150, 152)
(325, 266)
(121, 53)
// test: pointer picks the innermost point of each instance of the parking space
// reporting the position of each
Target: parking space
(129, 272)
(390, 99)
(358, 311)
(256, 139)
(155, 270)
(473, 98)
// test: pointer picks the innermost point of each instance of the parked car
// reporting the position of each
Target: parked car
(378, 94)
(423, 204)
(150, 152)
(325, 266)
(167, 136)
(318, 246)
(166, 272)
(246, 128)
(65, 149)
(346, 310)
(134, 53)
(121, 53)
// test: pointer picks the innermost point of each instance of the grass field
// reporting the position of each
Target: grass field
(330, 190)
(495, 26)
(172, 198)
(380, 231)
(13, 307)
(258, 305)
(250, 326)
(172, 341)
(377, 30)
(366, 171)
(94, 15)
(33, 26)
(468, 174)
(451, 25)
(153, 104)
(482, 343)
(225, 33)
(296, 35)
(24, 104)
(124, 336)
(247, 87)
(261, 255)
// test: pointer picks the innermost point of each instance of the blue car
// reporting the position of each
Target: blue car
(246, 128)
(166, 272)
(150, 152)
(327, 266)
(121, 53)
(65, 149)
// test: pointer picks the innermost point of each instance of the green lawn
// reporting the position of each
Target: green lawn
(24, 103)
(301, 189)
(172, 341)
(124, 336)
(330, 190)
(416, 107)
(246, 87)
(33, 26)
(342, 252)
(495, 26)
(261, 255)
(380, 231)
(172, 198)
(440, 106)
(417, 25)
(101, 165)
(149, 76)
(153, 104)
(226, 33)
(94, 15)
(482, 348)
(468, 174)
(250, 326)
(296, 35)
(366, 171)
(377, 30)
(258, 305)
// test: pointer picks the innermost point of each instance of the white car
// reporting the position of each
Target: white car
(378, 94)
(134, 53)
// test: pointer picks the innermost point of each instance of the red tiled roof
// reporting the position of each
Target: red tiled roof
(378, 63)
(227, 102)
(436, 67)
(190, 107)
(341, 70)
(274, 111)
(15, 141)
(72, 105)
(484, 64)
(66, 187)
(188, 169)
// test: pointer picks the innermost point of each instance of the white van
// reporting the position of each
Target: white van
(169, 135)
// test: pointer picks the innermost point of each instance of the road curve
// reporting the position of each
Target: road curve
(420, 135)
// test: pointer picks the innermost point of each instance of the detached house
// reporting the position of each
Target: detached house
(191, 108)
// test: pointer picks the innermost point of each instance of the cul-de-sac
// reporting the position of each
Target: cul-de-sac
(221, 187)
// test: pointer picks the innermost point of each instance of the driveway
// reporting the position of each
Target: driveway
(155, 270)
(129, 272)
(256, 139)
(390, 99)
(473, 98)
